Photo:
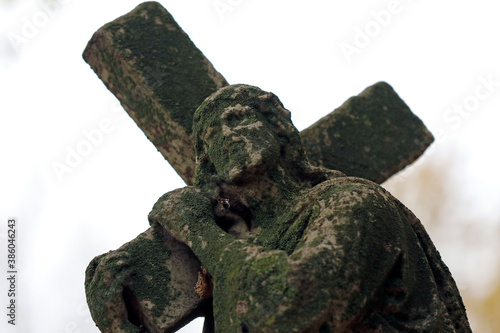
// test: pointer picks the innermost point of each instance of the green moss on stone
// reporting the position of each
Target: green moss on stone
(141, 266)
(372, 135)
(148, 258)
(175, 70)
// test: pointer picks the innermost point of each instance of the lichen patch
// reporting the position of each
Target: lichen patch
(235, 109)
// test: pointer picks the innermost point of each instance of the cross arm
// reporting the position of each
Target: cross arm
(373, 135)
(160, 77)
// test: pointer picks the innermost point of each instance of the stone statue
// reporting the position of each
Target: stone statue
(277, 245)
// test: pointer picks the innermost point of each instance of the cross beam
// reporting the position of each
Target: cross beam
(160, 77)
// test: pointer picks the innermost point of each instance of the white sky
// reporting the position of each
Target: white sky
(436, 55)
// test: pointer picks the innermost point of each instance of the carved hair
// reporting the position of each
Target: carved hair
(233, 99)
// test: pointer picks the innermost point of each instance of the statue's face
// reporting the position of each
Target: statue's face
(245, 145)
(247, 136)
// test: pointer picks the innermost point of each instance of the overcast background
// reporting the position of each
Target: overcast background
(441, 57)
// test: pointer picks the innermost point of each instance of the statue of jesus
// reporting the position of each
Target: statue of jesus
(293, 248)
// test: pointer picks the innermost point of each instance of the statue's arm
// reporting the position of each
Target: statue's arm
(347, 251)
(187, 214)
(352, 244)
(241, 271)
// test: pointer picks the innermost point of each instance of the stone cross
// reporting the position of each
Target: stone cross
(149, 63)
(155, 283)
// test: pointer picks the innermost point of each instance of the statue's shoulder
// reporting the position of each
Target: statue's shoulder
(348, 188)
(350, 200)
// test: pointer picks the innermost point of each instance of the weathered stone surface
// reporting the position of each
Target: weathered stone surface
(148, 282)
(159, 76)
(372, 135)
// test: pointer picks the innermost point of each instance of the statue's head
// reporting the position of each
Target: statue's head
(242, 132)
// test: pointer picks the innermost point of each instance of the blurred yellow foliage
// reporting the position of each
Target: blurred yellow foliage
(489, 310)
